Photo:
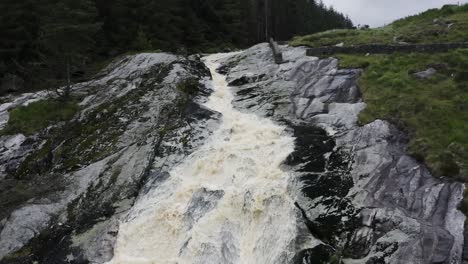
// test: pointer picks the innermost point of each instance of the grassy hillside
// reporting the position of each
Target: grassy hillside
(448, 24)
(434, 112)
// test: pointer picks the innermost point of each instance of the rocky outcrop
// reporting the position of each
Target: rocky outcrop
(423, 75)
(362, 199)
(65, 188)
(358, 190)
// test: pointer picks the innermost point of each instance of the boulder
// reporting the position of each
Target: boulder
(424, 75)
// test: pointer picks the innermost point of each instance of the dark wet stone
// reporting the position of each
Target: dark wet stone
(245, 80)
(311, 144)
(247, 91)
(323, 177)
(321, 254)
(201, 203)
(198, 112)
(224, 69)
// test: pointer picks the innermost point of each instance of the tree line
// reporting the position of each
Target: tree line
(50, 42)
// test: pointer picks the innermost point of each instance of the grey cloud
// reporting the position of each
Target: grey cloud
(380, 12)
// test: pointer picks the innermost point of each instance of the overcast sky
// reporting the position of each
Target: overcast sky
(379, 12)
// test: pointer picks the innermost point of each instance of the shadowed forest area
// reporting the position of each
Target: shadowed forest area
(53, 42)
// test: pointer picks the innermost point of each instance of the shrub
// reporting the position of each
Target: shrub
(189, 86)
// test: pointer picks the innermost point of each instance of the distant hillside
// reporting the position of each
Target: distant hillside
(448, 24)
(433, 110)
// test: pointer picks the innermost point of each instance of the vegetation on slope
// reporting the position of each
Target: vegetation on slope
(434, 111)
(39, 115)
(448, 24)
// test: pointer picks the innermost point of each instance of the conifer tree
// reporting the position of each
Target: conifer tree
(67, 37)
(19, 24)
(51, 39)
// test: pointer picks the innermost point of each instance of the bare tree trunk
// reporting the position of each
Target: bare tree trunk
(68, 88)
(266, 21)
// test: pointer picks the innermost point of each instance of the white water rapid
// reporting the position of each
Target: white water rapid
(228, 202)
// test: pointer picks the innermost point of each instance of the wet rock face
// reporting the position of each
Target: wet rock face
(79, 178)
(323, 180)
(358, 190)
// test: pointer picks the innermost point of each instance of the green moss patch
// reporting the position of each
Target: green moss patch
(189, 86)
(39, 115)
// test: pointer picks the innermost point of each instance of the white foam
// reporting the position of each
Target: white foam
(254, 222)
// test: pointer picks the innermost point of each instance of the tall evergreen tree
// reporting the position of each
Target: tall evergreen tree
(67, 37)
(19, 27)
(53, 38)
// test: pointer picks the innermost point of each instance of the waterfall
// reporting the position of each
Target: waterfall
(228, 202)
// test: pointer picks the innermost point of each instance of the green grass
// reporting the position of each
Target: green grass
(39, 115)
(434, 112)
(421, 28)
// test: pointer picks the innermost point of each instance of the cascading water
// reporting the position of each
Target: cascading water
(228, 202)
